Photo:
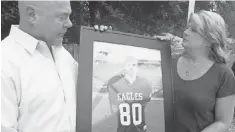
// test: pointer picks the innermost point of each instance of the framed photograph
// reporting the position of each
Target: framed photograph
(124, 83)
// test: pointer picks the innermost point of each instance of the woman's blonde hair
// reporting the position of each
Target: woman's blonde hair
(214, 30)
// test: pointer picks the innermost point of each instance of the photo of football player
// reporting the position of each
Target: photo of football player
(127, 89)
(128, 96)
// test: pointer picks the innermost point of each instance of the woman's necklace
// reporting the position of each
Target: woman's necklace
(187, 73)
(191, 67)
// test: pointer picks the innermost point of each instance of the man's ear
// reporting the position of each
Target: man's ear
(31, 14)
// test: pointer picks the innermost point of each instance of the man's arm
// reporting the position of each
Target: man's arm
(9, 109)
(113, 101)
(148, 91)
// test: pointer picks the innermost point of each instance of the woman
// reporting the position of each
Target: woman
(204, 84)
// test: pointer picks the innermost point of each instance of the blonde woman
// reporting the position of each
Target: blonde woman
(204, 84)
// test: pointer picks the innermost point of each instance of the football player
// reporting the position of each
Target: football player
(128, 95)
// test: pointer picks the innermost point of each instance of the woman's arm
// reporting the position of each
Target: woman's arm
(223, 114)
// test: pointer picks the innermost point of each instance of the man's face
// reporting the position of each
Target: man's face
(131, 68)
(54, 22)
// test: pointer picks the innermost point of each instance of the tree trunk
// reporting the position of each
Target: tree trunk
(232, 24)
(77, 8)
(92, 10)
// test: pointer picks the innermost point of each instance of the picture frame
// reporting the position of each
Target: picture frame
(86, 62)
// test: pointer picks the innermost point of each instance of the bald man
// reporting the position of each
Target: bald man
(39, 76)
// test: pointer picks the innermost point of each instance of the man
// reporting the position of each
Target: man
(38, 79)
(129, 94)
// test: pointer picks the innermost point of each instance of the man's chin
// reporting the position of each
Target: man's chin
(131, 75)
(57, 45)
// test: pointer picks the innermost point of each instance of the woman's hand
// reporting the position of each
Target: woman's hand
(175, 42)
(166, 36)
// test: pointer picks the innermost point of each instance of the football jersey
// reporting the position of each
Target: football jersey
(130, 100)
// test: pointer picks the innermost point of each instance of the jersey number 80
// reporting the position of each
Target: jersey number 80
(125, 114)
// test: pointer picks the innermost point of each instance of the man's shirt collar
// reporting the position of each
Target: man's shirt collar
(27, 41)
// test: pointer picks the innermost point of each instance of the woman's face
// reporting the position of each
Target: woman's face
(193, 38)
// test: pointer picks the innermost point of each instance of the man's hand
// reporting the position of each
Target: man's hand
(102, 28)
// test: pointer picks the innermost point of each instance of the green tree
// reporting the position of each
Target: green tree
(9, 16)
